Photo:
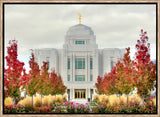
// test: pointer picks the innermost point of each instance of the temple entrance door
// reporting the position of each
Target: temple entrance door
(80, 93)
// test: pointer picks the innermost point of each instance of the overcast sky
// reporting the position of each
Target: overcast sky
(45, 26)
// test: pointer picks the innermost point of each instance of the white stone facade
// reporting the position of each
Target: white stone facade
(80, 48)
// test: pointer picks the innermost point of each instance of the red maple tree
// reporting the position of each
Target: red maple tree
(56, 84)
(146, 70)
(125, 72)
(34, 76)
(99, 85)
(13, 72)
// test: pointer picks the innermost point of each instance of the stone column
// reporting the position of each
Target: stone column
(93, 67)
(89, 93)
(73, 68)
(86, 93)
(89, 74)
(73, 93)
(86, 68)
(65, 64)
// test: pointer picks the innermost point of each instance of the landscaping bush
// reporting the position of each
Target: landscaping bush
(134, 106)
(45, 101)
(27, 103)
(51, 100)
(37, 101)
(103, 99)
(64, 98)
(96, 98)
(113, 100)
(59, 99)
(8, 101)
(135, 98)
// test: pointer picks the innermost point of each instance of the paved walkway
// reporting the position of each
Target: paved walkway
(81, 101)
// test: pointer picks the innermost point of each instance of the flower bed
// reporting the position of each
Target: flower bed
(71, 107)
(17, 109)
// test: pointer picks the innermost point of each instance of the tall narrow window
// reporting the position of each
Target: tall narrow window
(91, 63)
(79, 63)
(68, 63)
(79, 77)
(79, 42)
(91, 77)
(68, 77)
(48, 64)
(111, 64)
(47, 59)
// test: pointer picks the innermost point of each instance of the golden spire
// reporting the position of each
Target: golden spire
(79, 18)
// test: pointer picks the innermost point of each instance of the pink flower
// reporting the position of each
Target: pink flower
(20, 105)
(46, 108)
(40, 109)
(77, 103)
(129, 107)
(151, 107)
(87, 103)
(11, 106)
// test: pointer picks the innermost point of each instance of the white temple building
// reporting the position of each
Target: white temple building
(80, 61)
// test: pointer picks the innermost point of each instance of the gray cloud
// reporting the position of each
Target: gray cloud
(45, 26)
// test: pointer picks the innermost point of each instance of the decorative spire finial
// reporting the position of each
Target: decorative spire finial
(79, 18)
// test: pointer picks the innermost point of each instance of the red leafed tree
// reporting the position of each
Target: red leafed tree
(56, 84)
(44, 83)
(125, 73)
(34, 77)
(99, 85)
(13, 72)
(60, 86)
(109, 82)
(24, 79)
(53, 83)
(146, 69)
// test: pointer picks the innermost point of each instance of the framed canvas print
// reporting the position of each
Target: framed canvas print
(80, 58)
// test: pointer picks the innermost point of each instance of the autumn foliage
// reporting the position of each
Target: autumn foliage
(127, 74)
(13, 72)
(14, 76)
(36, 81)
(99, 85)
(146, 70)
